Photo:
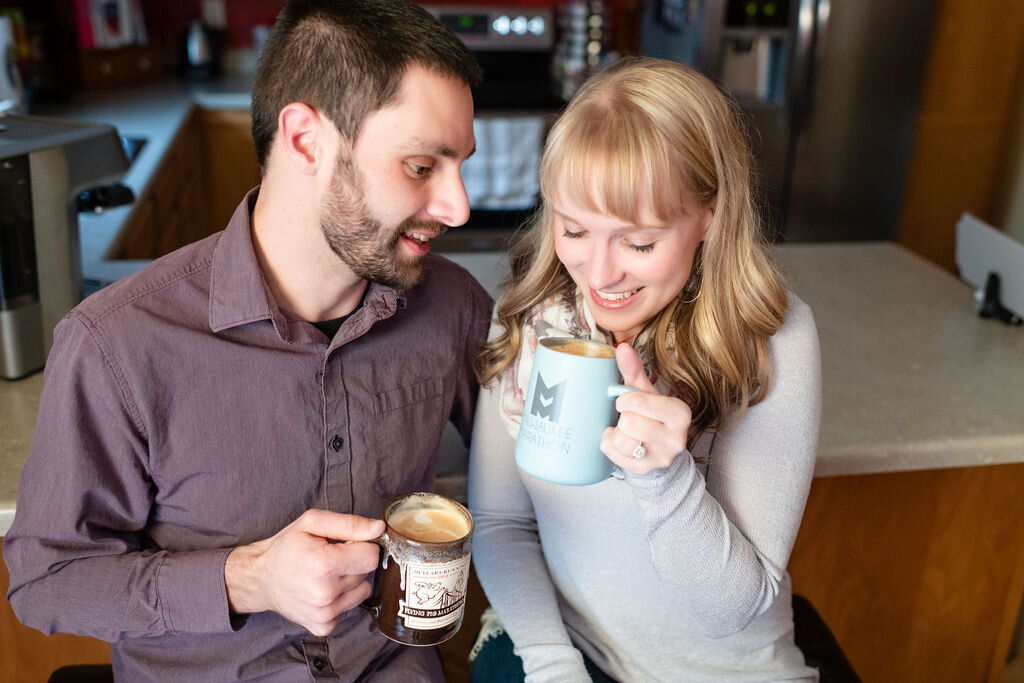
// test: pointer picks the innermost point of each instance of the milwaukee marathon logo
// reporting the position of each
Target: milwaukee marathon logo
(547, 401)
(540, 426)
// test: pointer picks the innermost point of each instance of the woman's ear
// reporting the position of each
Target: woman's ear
(709, 215)
(300, 131)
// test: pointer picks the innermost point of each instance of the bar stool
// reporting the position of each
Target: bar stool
(819, 646)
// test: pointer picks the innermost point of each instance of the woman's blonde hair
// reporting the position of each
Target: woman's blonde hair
(649, 132)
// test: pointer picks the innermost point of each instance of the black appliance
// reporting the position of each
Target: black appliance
(515, 105)
(514, 46)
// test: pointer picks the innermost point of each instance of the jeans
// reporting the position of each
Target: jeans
(496, 662)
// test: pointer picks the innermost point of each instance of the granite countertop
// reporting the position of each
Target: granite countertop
(19, 404)
(913, 378)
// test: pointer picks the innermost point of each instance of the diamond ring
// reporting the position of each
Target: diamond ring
(639, 451)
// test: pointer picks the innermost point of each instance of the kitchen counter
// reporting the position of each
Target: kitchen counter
(19, 404)
(913, 378)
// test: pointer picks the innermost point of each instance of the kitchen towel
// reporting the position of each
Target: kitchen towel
(502, 175)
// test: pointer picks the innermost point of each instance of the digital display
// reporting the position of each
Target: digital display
(757, 13)
(465, 23)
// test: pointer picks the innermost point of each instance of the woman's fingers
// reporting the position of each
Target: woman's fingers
(632, 368)
(672, 412)
(659, 422)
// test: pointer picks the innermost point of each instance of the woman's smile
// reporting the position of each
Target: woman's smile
(614, 300)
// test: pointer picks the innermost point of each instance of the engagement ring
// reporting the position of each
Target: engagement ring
(639, 451)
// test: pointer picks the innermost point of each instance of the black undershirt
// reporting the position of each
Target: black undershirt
(331, 327)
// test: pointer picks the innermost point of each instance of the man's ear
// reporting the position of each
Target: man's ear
(300, 132)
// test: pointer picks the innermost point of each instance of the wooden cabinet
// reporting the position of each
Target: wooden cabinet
(918, 574)
(963, 142)
(229, 161)
(207, 169)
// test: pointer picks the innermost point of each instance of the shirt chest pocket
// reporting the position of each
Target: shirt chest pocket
(409, 422)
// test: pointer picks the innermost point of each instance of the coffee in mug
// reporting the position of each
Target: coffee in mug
(581, 347)
(570, 401)
(428, 524)
(419, 591)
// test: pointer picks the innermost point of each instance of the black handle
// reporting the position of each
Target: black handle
(99, 199)
(992, 307)
(372, 603)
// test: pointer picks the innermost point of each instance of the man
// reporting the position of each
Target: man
(211, 427)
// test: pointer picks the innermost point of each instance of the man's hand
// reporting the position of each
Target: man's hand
(300, 574)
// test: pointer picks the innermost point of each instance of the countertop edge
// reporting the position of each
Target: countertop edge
(996, 450)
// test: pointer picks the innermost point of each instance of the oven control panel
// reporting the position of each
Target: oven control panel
(498, 28)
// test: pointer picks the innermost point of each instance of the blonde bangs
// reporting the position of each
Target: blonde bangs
(606, 165)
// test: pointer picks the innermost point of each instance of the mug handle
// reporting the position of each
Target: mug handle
(372, 603)
(616, 390)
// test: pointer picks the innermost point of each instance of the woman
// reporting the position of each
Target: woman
(673, 568)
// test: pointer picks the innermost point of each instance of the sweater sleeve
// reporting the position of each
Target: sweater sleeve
(725, 540)
(76, 550)
(507, 553)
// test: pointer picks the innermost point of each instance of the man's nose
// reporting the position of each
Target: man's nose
(449, 203)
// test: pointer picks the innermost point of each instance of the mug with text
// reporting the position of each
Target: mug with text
(569, 403)
(419, 588)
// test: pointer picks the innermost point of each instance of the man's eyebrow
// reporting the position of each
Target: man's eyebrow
(438, 149)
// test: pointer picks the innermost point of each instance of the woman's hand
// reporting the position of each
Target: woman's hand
(660, 422)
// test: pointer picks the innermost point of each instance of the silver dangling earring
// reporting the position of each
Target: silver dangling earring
(696, 279)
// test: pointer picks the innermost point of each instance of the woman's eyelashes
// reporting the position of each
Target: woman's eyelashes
(642, 248)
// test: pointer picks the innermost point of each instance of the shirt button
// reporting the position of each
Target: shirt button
(319, 663)
(337, 442)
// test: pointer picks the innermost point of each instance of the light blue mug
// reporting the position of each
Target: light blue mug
(569, 403)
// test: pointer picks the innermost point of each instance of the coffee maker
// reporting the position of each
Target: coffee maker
(44, 164)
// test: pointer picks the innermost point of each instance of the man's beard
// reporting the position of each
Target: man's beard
(361, 241)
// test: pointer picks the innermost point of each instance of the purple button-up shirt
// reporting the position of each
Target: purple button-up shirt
(184, 413)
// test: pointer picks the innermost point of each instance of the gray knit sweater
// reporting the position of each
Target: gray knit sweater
(679, 575)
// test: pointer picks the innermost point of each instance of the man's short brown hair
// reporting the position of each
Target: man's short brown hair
(346, 58)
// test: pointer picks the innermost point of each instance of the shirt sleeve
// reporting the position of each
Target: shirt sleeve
(79, 558)
(507, 553)
(725, 540)
(475, 332)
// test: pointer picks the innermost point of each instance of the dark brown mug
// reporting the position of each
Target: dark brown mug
(419, 588)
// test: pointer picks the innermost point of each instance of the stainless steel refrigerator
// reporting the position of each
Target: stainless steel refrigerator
(829, 91)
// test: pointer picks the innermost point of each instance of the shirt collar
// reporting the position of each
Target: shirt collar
(239, 293)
